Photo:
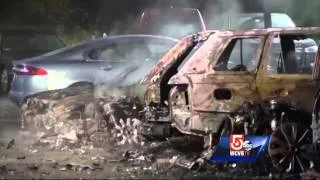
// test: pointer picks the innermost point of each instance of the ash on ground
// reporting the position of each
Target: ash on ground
(60, 139)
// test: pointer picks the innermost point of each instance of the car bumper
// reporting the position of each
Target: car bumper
(24, 86)
(18, 97)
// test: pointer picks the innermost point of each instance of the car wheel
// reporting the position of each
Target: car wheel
(285, 147)
(4, 80)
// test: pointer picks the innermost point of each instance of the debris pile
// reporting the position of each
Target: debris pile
(60, 115)
(72, 119)
(120, 117)
(77, 115)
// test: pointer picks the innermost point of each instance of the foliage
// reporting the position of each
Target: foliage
(77, 35)
(79, 19)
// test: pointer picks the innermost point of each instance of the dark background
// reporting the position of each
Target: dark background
(74, 16)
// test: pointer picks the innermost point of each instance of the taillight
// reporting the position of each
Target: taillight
(29, 70)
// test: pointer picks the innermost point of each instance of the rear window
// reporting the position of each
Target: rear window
(33, 42)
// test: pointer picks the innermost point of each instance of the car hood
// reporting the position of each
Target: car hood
(172, 56)
(167, 60)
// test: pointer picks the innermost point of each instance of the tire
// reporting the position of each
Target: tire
(284, 147)
(4, 80)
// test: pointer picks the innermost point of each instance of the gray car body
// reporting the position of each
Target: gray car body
(73, 65)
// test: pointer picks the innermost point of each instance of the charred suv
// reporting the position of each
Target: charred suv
(252, 82)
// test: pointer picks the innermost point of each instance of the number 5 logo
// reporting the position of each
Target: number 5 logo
(236, 142)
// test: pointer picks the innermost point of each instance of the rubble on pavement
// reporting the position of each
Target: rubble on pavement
(67, 120)
(71, 115)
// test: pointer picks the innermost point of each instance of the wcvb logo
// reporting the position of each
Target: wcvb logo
(239, 146)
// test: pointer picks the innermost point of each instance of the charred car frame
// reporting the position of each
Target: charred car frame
(253, 82)
(258, 82)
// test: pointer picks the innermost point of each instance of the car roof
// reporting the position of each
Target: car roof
(90, 43)
(266, 31)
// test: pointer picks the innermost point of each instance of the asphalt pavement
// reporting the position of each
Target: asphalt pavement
(9, 116)
(23, 161)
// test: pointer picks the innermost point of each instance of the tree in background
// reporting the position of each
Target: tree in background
(75, 19)
(79, 19)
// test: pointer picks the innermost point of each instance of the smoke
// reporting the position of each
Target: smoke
(305, 13)
(127, 21)
(129, 63)
(217, 14)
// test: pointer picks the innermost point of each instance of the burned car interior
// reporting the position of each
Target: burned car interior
(294, 56)
(240, 55)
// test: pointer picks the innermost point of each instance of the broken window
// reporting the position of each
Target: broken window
(242, 54)
(292, 54)
(194, 49)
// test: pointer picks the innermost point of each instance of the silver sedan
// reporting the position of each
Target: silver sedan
(122, 59)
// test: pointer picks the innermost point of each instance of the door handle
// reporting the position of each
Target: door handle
(106, 68)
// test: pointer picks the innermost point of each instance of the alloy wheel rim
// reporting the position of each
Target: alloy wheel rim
(284, 146)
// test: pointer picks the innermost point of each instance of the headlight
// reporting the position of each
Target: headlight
(311, 49)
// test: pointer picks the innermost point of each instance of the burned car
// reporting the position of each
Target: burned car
(248, 82)
(210, 85)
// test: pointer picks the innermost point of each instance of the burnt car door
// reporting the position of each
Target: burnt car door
(231, 78)
(228, 80)
(286, 73)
